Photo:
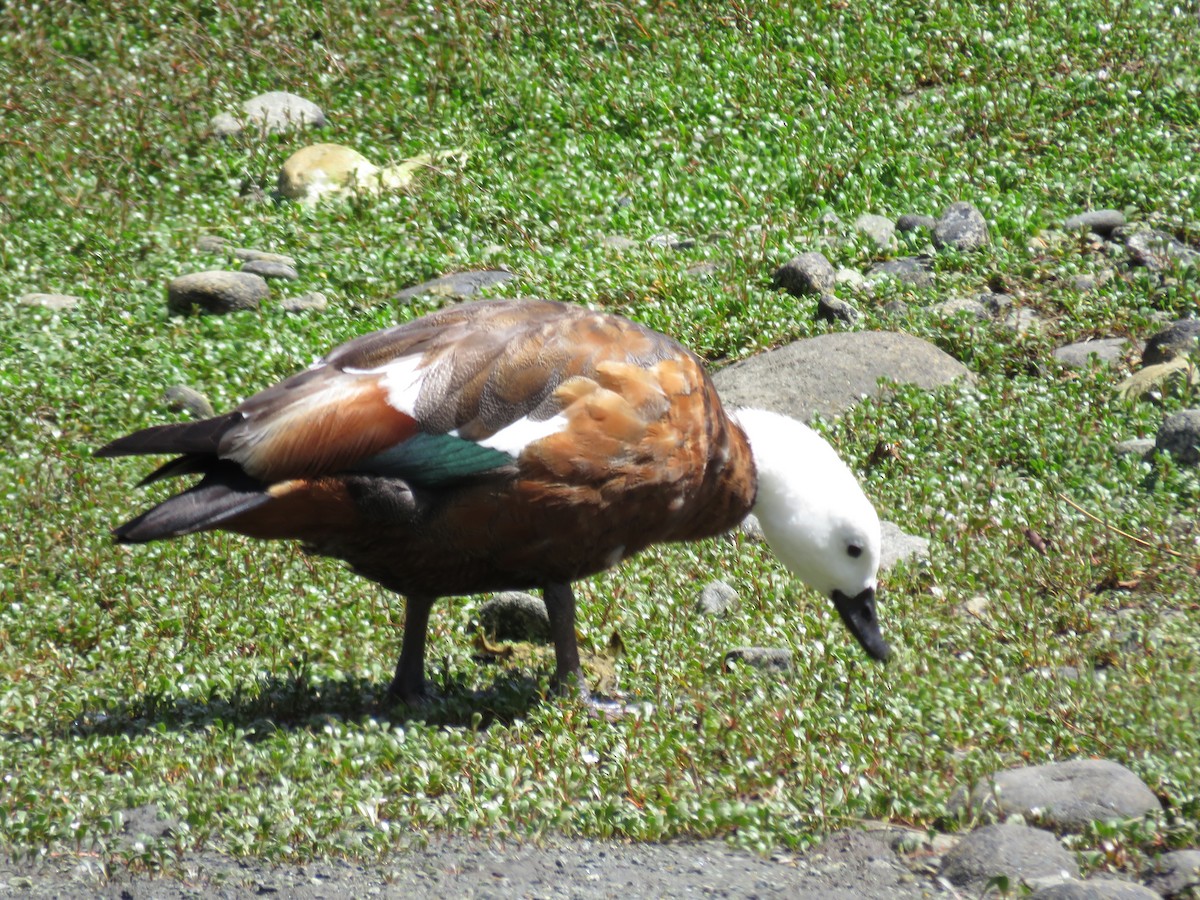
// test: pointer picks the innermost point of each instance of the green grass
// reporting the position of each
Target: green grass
(234, 684)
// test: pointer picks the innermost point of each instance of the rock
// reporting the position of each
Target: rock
(960, 227)
(830, 373)
(271, 113)
(1099, 888)
(808, 273)
(1067, 795)
(1099, 221)
(181, 398)
(1083, 353)
(314, 301)
(831, 309)
(767, 659)
(617, 242)
(1157, 250)
(1174, 874)
(850, 278)
(56, 302)
(909, 222)
(458, 284)
(1012, 851)
(751, 529)
(325, 170)
(669, 240)
(515, 616)
(716, 599)
(911, 270)
(948, 309)
(1134, 447)
(899, 546)
(268, 269)
(1023, 321)
(247, 254)
(702, 270)
(879, 229)
(216, 292)
(211, 243)
(1181, 336)
(1179, 435)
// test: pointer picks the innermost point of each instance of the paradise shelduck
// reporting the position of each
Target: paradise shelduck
(512, 444)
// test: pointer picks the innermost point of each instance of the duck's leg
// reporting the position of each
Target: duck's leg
(408, 685)
(560, 607)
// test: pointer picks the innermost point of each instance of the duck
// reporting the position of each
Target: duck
(512, 445)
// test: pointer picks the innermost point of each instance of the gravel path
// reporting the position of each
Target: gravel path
(848, 865)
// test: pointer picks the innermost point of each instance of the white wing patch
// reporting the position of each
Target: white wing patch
(514, 438)
(401, 380)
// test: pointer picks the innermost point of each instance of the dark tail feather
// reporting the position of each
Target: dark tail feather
(179, 437)
(180, 465)
(225, 492)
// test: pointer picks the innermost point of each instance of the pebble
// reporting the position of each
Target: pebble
(909, 222)
(833, 309)
(271, 113)
(1175, 873)
(216, 292)
(961, 227)
(1083, 353)
(767, 659)
(1179, 435)
(878, 228)
(458, 284)
(808, 273)
(716, 599)
(56, 302)
(1099, 221)
(269, 269)
(314, 301)
(1016, 852)
(910, 270)
(515, 616)
(181, 398)
(1181, 336)
(1067, 795)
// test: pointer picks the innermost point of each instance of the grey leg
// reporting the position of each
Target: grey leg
(408, 686)
(560, 606)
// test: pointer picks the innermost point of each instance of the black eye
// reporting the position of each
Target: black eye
(854, 550)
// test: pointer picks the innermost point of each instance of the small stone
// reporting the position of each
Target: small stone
(911, 270)
(216, 292)
(55, 302)
(850, 278)
(272, 113)
(1157, 250)
(997, 305)
(909, 222)
(716, 599)
(808, 273)
(669, 240)
(1181, 336)
(249, 255)
(211, 243)
(751, 529)
(879, 229)
(767, 659)
(268, 269)
(1012, 851)
(1179, 435)
(181, 398)
(960, 227)
(1175, 874)
(898, 546)
(314, 301)
(1023, 321)
(1083, 353)
(948, 309)
(1099, 888)
(831, 309)
(617, 242)
(1142, 447)
(515, 616)
(458, 284)
(1099, 221)
(1068, 795)
(703, 270)
(976, 607)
